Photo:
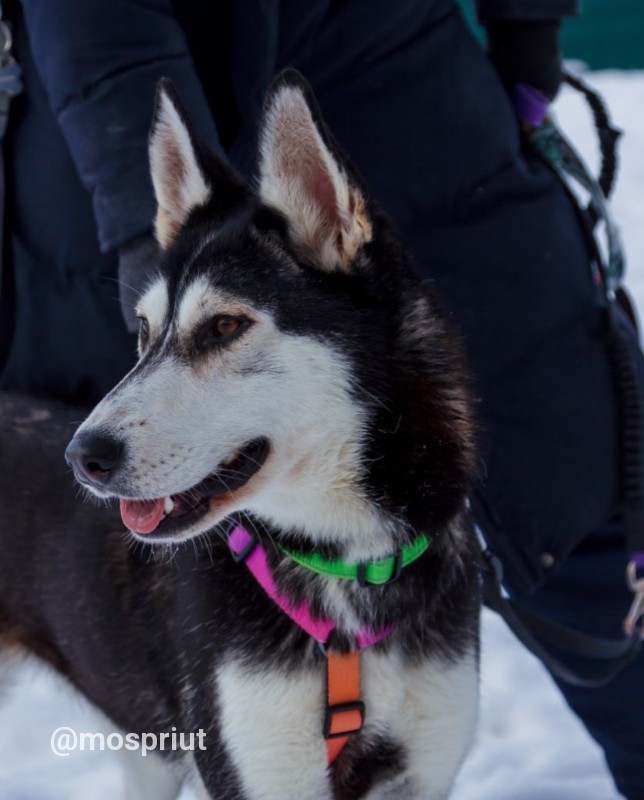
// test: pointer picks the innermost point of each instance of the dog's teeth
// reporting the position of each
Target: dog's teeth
(168, 505)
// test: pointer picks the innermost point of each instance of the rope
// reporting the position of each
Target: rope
(608, 135)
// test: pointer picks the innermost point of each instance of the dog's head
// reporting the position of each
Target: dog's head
(291, 364)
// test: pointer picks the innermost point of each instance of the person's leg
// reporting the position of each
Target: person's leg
(589, 594)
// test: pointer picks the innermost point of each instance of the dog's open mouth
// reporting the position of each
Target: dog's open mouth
(169, 514)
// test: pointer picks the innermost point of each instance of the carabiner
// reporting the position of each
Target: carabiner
(634, 622)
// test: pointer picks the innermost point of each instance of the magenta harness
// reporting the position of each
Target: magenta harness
(246, 548)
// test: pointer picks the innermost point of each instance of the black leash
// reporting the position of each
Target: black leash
(532, 629)
(607, 273)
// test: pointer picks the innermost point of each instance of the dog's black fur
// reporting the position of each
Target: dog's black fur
(140, 629)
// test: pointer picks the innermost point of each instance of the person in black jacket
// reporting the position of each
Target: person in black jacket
(433, 124)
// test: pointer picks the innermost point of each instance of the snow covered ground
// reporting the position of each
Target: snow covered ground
(529, 746)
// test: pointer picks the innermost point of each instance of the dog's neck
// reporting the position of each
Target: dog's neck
(364, 519)
(360, 514)
(340, 519)
(406, 471)
(352, 607)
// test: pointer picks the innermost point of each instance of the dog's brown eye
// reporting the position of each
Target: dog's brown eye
(225, 326)
(219, 331)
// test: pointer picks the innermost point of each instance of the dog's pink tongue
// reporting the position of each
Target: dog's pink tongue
(142, 516)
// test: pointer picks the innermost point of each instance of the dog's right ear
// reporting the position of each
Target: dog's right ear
(303, 175)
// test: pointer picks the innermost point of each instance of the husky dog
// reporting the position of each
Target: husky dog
(295, 375)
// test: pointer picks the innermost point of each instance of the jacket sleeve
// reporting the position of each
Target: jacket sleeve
(100, 61)
(526, 10)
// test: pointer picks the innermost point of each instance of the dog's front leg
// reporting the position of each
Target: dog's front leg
(271, 726)
(430, 709)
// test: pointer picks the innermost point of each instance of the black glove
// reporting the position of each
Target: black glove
(138, 261)
(527, 52)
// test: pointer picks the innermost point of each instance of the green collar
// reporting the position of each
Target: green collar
(367, 573)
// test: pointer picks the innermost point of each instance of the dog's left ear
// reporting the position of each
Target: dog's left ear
(301, 176)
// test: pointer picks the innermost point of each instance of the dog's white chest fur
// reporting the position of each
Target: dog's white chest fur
(271, 725)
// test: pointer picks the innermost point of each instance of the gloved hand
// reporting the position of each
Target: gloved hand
(527, 56)
(138, 262)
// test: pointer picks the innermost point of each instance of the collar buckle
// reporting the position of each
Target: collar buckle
(396, 573)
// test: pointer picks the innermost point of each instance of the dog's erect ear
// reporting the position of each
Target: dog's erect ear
(179, 180)
(301, 176)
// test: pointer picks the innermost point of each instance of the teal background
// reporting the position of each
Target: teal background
(609, 33)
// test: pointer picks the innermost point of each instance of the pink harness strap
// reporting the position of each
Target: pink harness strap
(240, 541)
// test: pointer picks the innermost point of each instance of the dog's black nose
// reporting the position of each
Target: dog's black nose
(94, 456)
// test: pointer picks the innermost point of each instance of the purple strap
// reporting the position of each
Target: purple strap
(638, 559)
(531, 106)
(319, 629)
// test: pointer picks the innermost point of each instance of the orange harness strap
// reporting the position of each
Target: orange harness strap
(344, 714)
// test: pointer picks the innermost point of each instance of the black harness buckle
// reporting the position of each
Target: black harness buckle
(242, 555)
(397, 571)
(342, 708)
